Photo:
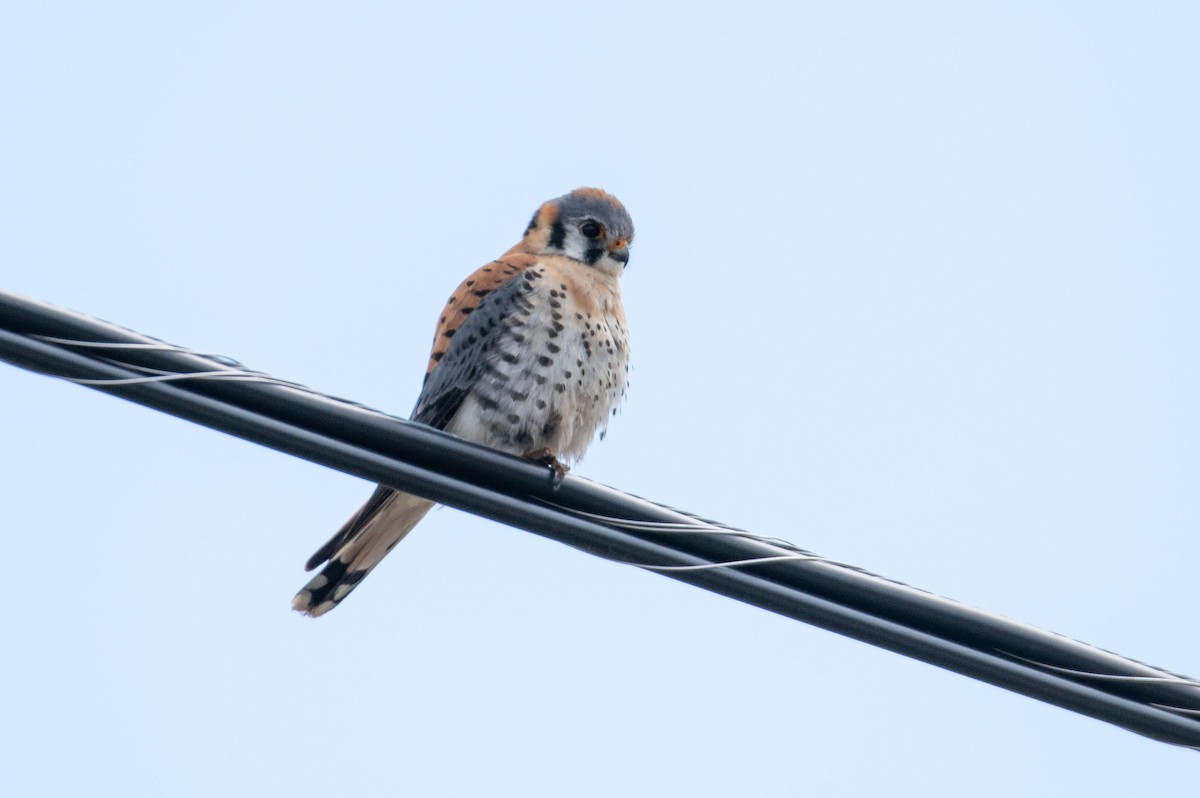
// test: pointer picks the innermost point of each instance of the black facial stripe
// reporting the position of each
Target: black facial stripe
(593, 254)
(532, 224)
(558, 234)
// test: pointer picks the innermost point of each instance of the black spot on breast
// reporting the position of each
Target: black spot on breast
(508, 357)
(449, 333)
(552, 348)
(558, 386)
(498, 378)
(544, 361)
(466, 311)
(513, 418)
(437, 356)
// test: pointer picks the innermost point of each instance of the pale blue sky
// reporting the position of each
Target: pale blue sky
(915, 286)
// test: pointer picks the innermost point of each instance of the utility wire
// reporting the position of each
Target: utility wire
(217, 392)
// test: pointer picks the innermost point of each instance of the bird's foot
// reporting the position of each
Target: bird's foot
(546, 457)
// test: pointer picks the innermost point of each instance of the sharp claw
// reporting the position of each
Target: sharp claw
(546, 457)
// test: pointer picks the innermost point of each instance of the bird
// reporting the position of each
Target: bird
(530, 356)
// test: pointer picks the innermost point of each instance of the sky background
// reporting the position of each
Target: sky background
(915, 286)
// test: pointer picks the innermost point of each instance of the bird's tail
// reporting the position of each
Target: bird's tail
(358, 547)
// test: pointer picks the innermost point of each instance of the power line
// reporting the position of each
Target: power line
(219, 393)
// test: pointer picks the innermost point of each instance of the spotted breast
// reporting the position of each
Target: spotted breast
(546, 357)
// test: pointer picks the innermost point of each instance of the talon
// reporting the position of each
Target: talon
(546, 457)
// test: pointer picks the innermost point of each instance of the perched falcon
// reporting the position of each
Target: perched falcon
(530, 357)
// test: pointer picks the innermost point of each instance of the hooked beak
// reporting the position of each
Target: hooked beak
(620, 254)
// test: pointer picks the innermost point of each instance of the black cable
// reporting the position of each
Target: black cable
(601, 520)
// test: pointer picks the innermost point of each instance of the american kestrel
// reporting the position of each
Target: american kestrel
(530, 356)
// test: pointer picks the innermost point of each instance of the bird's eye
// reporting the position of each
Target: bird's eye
(591, 229)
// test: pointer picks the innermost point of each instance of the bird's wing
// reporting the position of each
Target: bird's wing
(466, 336)
(470, 324)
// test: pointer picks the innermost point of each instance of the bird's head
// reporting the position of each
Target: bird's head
(588, 225)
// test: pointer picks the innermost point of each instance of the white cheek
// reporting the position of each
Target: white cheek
(575, 246)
